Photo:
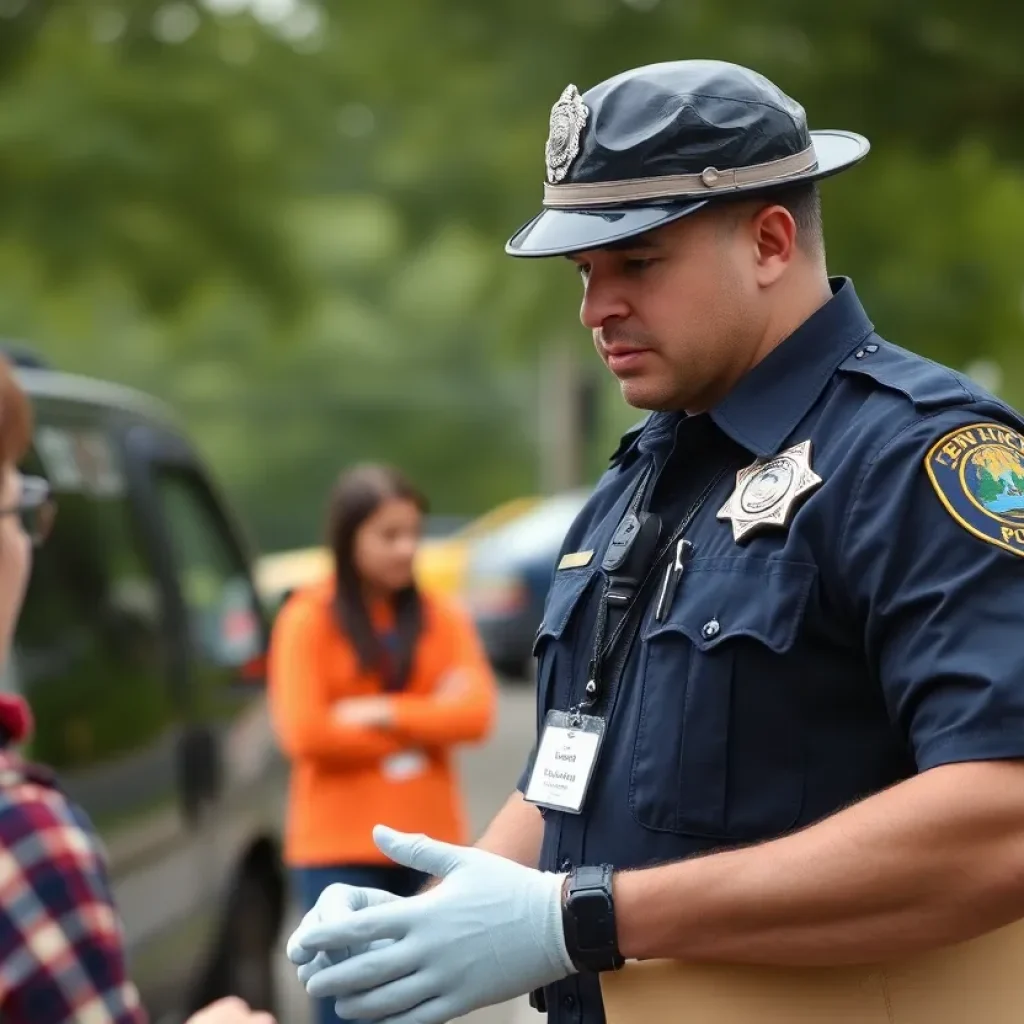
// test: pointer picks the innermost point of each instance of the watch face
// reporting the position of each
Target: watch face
(588, 914)
(593, 913)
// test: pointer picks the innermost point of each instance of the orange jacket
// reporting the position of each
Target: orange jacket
(347, 778)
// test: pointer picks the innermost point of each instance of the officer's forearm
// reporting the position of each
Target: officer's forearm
(934, 860)
(515, 832)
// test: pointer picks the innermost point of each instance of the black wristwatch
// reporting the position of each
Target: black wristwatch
(588, 917)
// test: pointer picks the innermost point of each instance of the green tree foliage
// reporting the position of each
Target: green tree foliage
(153, 142)
(287, 217)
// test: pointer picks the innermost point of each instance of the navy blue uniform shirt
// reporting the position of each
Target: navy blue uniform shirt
(806, 666)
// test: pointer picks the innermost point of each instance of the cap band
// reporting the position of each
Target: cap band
(679, 186)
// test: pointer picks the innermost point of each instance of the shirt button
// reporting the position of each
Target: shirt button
(566, 864)
(710, 629)
(569, 1002)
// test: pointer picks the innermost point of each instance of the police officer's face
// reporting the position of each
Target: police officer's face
(680, 314)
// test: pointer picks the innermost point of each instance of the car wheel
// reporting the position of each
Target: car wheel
(250, 961)
(244, 962)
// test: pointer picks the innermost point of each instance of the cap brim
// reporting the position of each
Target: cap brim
(556, 232)
(561, 232)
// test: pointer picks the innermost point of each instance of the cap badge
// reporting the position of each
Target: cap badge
(568, 117)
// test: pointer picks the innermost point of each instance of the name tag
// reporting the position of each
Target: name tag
(575, 559)
(564, 764)
(406, 765)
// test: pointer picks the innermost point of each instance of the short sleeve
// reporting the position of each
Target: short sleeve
(524, 775)
(933, 556)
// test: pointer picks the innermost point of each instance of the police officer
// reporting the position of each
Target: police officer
(781, 668)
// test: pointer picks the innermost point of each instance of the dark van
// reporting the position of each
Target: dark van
(141, 651)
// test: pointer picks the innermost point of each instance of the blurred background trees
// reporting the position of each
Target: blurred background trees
(287, 217)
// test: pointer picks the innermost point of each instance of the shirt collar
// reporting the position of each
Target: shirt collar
(768, 402)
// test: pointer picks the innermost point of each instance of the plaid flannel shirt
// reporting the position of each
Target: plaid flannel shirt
(61, 947)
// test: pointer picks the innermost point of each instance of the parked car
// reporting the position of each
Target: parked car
(508, 576)
(442, 561)
(281, 572)
(141, 649)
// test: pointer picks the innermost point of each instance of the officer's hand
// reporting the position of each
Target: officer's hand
(230, 1011)
(335, 902)
(492, 930)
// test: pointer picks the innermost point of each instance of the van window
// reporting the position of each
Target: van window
(88, 652)
(224, 619)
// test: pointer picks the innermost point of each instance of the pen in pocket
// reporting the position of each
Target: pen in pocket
(673, 574)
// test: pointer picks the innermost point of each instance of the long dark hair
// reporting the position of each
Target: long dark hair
(358, 493)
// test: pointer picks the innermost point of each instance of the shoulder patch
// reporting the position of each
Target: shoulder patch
(978, 473)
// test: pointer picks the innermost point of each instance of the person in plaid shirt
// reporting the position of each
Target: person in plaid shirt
(61, 955)
(61, 945)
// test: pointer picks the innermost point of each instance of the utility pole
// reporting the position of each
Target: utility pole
(566, 415)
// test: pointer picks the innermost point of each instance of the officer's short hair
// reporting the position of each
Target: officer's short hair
(804, 204)
(803, 201)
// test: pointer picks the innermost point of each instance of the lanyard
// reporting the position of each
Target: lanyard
(630, 554)
(633, 555)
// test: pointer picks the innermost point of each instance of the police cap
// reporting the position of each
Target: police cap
(656, 143)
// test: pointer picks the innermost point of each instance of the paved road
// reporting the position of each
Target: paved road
(489, 774)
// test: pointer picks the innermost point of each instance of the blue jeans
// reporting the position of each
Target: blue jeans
(310, 882)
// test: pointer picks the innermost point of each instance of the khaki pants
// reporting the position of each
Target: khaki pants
(975, 982)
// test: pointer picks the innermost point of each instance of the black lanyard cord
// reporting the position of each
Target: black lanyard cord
(628, 553)
(627, 616)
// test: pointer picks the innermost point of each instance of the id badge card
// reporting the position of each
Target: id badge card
(564, 765)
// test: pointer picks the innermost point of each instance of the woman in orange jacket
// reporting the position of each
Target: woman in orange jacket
(372, 683)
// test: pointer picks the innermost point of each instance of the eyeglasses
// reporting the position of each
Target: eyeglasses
(36, 509)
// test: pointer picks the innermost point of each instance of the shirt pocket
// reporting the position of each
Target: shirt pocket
(718, 745)
(557, 647)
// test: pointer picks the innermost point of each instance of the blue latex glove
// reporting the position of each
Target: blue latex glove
(334, 903)
(490, 931)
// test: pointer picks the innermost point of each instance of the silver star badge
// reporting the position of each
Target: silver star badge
(767, 493)
(568, 118)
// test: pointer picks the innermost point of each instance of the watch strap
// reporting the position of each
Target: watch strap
(588, 918)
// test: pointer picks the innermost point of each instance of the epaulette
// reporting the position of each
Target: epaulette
(926, 384)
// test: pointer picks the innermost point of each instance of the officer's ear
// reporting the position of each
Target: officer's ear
(773, 236)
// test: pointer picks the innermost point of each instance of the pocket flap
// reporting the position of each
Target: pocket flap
(720, 599)
(567, 589)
